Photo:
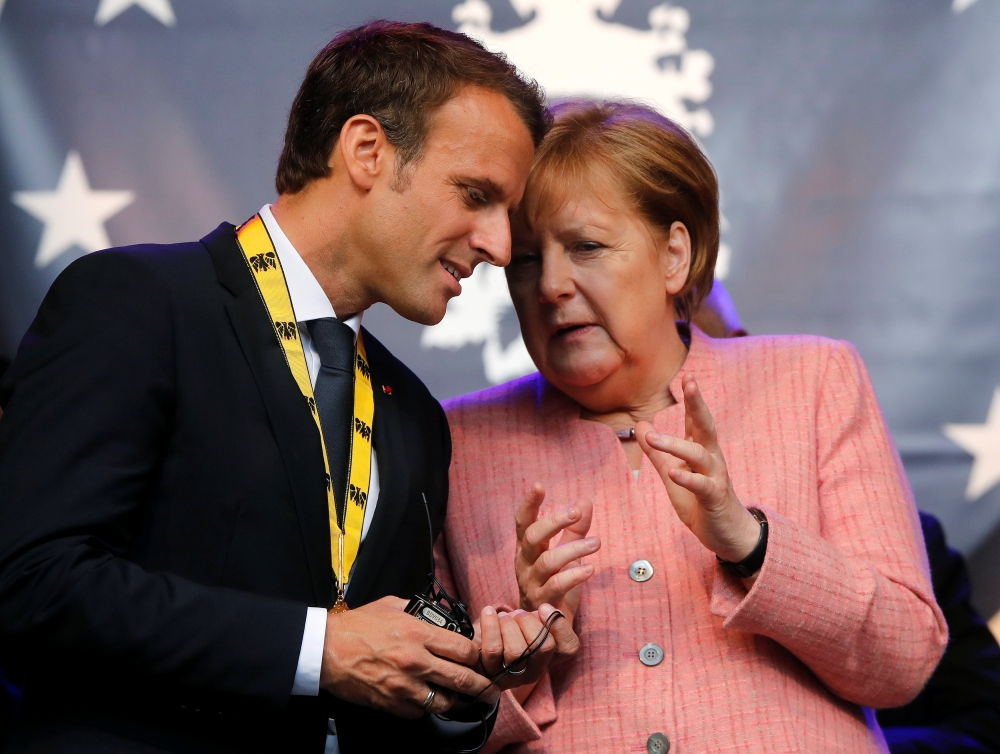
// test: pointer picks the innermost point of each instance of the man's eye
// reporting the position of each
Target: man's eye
(476, 196)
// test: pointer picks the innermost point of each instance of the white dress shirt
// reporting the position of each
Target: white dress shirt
(309, 302)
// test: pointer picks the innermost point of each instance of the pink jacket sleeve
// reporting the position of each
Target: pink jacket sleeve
(515, 723)
(853, 601)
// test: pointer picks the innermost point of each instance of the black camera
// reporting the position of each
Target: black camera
(434, 605)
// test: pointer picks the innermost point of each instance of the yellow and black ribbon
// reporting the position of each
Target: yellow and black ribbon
(345, 534)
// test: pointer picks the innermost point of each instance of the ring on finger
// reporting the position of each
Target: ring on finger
(429, 700)
(507, 668)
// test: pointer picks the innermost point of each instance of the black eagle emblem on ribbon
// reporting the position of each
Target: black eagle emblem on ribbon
(363, 368)
(362, 429)
(357, 496)
(264, 262)
(286, 330)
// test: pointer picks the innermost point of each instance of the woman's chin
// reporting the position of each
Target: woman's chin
(581, 375)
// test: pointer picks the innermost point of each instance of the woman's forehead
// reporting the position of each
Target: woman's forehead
(553, 189)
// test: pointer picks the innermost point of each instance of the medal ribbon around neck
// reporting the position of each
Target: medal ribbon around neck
(262, 259)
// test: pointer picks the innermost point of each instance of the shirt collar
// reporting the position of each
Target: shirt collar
(309, 301)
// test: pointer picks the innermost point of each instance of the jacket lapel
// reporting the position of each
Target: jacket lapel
(293, 426)
(393, 496)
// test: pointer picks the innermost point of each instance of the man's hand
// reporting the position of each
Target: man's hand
(548, 574)
(379, 656)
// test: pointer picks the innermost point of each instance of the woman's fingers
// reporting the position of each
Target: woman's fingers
(514, 643)
(691, 453)
(537, 536)
(552, 561)
(532, 633)
(699, 422)
(699, 485)
(661, 460)
(491, 640)
(567, 642)
(561, 584)
(527, 514)
(579, 529)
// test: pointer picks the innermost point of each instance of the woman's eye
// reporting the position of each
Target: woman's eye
(588, 246)
(524, 258)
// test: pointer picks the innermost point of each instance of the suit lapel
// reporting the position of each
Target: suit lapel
(293, 426)
(393, 496)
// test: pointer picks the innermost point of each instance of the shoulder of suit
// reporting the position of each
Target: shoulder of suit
(171, 265)
(388, 372)
(806, 352)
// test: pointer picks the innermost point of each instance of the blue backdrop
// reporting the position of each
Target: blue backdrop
(857, 144)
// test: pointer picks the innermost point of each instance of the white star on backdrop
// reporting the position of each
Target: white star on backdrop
(74, 214)
(161, 10)
(983, 442)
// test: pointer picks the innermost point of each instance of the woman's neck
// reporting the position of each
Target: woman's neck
(639, 390)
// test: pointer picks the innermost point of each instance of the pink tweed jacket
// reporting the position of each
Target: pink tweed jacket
(841, 619)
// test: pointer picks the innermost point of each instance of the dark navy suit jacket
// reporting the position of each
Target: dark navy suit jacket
(163, 516)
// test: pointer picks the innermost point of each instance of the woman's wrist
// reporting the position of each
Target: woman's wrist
(745, 538)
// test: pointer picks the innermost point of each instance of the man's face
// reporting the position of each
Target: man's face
(452, 210)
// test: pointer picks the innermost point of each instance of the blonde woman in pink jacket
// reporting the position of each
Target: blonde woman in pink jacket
(725, 521)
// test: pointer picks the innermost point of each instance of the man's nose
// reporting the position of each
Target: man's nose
(491, 237)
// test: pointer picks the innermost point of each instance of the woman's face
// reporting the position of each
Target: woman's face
(592, 284)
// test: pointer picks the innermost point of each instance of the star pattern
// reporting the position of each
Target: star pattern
(161, 10)
(74, 214)
(983, 442)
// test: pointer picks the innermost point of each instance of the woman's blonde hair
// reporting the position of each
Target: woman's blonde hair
(658, 164)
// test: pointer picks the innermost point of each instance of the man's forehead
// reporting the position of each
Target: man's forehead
(476, 120)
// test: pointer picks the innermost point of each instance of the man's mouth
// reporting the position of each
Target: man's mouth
(456, 272)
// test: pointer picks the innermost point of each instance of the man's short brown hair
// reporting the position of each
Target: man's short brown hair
(399, 74)
(655, 162)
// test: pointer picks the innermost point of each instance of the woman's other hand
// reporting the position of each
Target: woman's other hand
(694, 472)
(547, 574)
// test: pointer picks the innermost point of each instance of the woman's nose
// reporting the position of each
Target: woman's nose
(557, 281)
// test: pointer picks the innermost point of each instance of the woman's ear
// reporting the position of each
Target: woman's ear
(675, 257)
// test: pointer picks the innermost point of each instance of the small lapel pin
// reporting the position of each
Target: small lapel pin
(387, 389)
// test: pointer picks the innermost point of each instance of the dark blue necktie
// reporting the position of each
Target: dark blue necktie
(334, 392)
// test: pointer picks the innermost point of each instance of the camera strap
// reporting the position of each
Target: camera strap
(262, 259)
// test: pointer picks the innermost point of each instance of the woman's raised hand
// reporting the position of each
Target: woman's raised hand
(697, 481)
(547, 574)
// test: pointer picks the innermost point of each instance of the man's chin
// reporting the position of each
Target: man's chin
(428, 312)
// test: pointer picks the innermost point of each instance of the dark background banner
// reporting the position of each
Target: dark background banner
(857, 144)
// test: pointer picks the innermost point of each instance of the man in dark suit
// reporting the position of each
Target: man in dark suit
(168, 533)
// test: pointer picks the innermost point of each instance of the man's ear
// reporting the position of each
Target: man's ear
(364, 151)
(675, 257)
